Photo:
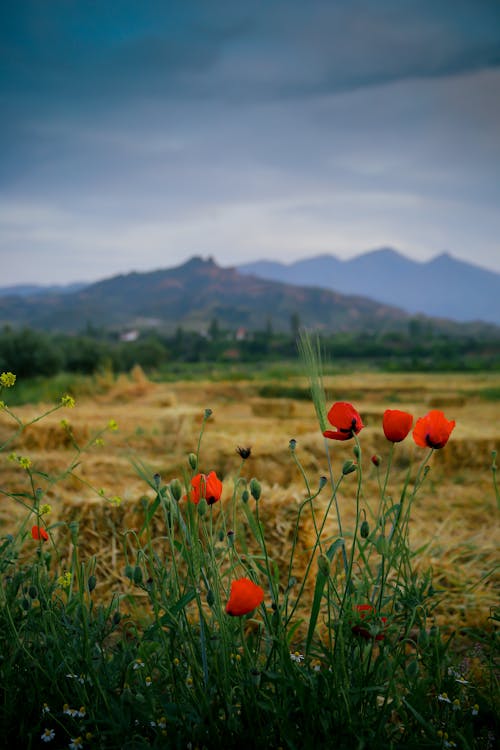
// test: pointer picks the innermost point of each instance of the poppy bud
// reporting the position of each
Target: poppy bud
(208, 413)
(322, 482)
(202, 507)
(210, 598)
(348, 467)
(245, 496)
(33, 592)
(193, 461)
(129, 571)
(356, 451)
(292, 444)
(230, 538)
(255, 488)
(324, 565)
(376, 460)
(176, 489)
(157, 480)
(365, 529)
(412, 669)
(91, 583)
(116, 618)
(137, 574)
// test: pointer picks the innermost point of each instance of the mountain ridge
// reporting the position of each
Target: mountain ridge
(442, 287)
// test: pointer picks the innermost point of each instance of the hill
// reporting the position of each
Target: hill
(191, 295)
(198, 292)
(443, 287)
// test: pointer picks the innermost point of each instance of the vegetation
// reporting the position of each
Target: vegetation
(33, 353)
(342, 643)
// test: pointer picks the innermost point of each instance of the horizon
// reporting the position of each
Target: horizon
(139, 136)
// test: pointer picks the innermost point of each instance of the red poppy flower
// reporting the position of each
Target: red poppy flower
(346, 419)
(366, 612)
(37, 532)
(207, 486)
(433, 430)
(396, 424)
(244, 597)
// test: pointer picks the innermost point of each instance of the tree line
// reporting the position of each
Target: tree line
(31, 353)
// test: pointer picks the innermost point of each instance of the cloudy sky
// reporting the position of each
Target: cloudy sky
(137, 133)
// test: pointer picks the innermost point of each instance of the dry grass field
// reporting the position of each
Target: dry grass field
(455, 516)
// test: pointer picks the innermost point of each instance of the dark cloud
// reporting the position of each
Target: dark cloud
(240, 128)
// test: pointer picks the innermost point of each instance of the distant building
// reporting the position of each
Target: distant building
(129, 335)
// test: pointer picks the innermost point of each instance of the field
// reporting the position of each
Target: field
(454, 526)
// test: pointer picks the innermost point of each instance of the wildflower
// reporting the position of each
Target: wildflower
(37, 532)
(346, 419)
(244, 597)
(296, 656)
(396, 424)
(98, 442)
(48, 735)
(76, 743)
(7, 379)
(45, 508)
(456, 705)
(205, 486)
(162, 722)
(244, 452)
(24, 461)
(138, 664)
(148, 681)
(68, 401)
(112, 425)
(433, 430)
(366, 612)
(45, 708)
(65, 580)
(375, 460)
(116, 501)
(443, 697)
(475, 709)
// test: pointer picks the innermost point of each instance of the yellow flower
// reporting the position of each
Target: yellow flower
(68, 401)
(112, 425)
(65, 580)
(7, 379)
(24, 461)
(116, 501)
(45, 508)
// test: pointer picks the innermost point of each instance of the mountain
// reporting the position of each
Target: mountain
(193, 294)
(33, 290)
(443, 287)
(197, 292)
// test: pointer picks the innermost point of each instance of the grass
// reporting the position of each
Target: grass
(114, 632)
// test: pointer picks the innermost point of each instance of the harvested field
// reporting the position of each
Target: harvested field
(455, 517)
